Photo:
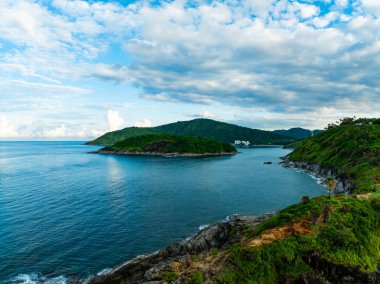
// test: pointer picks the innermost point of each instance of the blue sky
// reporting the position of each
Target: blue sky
(74, 69)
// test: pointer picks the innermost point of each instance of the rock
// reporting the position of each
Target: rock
(145, 269)
(343, 185)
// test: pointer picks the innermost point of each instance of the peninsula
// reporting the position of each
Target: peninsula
(169, 145)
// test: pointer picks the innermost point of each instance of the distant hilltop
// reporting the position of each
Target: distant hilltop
(169, 145)
(298, 133)
(208, 128)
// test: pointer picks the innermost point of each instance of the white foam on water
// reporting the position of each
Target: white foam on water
(34, 278)
(56, 280)
(105, 271)
(230, 217)
(25, 279)
(201, 227)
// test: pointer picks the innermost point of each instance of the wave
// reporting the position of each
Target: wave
(201, 227)
(34, 278)
(105, 271)
(318, 179)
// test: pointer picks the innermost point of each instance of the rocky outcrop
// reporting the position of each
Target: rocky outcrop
(325, 272)
(343, 185)
(150, 268)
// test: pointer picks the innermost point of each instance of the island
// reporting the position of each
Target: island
(327, 239)
(169, 145)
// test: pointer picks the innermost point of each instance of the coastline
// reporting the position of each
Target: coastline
(343, 186)
(128, 153)
(217, 240)
(151, 268)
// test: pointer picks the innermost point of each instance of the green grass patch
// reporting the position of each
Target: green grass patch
(196, 278)
(350, 150)
(351, 237)
(170, 276)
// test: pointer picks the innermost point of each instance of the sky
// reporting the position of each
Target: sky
(74, 69)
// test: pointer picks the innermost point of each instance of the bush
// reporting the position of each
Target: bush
(196, 278)
(375, 204)
(170, 276)
(305, 199)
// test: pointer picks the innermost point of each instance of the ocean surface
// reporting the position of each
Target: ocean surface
(67, 215)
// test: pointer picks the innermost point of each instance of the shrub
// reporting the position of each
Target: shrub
(305, 199)
(196, 278)
(170, 276)
(375, 204)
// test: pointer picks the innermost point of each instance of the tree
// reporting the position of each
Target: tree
(331, 183)
(326, 212)
(305, 199)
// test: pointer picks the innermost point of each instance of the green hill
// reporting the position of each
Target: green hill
(168, 144)
(297, 132)
(208, 128)
(351, 149)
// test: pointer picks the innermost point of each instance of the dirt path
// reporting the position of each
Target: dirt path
(281, 233)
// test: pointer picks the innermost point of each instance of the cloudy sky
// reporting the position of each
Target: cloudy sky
(72, 69)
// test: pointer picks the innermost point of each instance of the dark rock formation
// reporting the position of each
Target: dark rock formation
(150, 268)
(326, 273)
(343, 185)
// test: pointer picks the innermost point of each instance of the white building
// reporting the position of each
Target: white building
(242, 143)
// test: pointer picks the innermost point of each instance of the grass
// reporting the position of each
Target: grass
(351, 237)
(170, 276)
(351, 151)
(196, 278)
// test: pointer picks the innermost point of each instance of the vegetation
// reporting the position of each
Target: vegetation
(170, 276)
(343, 230)
(298, 133)
(196, 278)
(350, 149)
(350, 237)
(207, 128)
(168, 143)
(331, 184)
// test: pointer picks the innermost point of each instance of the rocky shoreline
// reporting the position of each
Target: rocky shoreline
(137, 153)
(151, 268)
(220, 236)
(343, 185)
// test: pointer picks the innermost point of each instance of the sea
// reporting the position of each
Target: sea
(67, 215)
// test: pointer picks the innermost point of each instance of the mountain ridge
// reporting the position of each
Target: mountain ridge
(298, 132)
(201, 127)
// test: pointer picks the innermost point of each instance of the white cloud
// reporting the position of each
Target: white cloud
(306, 11)
(371, 6)
(16, 128)
(6, 128)
(207, 114)
(60, 131)
(144, 123)
(115, 122)
(282, 56)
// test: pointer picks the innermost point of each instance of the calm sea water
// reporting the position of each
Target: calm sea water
(66, 214)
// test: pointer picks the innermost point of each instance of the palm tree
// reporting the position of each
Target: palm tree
(331, 183)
